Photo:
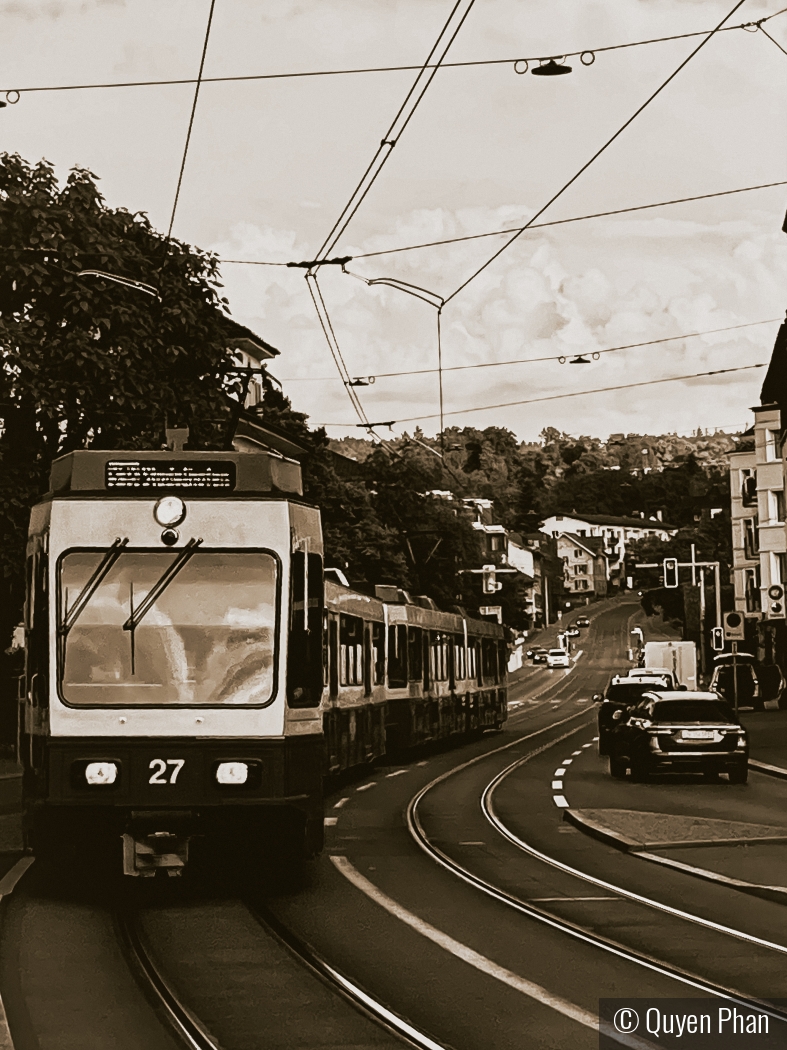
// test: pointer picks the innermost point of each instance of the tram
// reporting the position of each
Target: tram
(193, 673)
(173, 655)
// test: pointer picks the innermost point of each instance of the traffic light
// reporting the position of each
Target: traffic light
(717, 639)
(671, 572)
(776, 601)
(734, 627)
(490, 584)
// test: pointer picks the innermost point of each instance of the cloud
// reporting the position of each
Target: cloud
(562, 291)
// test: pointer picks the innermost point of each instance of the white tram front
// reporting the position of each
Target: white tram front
(173, 656)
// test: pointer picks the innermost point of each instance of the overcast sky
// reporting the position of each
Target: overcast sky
(272, 163)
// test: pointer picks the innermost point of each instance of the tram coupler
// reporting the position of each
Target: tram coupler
(151, 845)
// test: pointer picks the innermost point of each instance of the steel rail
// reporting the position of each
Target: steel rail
(340, 984)
(187, 1027)
(565, 926)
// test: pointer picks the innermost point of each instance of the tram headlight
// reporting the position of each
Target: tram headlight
(101, 774)
(169, 511)
(232, 773)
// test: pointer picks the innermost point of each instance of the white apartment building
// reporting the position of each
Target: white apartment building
(617, 533)
(759, 539)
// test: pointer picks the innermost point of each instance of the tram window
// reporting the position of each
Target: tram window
(473, 663)
(439, 656)
(397, 656)
(489, 659)
(37, 613)
(378, 652)
(350, 650)
(209, 638)
(415, 654)
(305, 653)
(460, 663)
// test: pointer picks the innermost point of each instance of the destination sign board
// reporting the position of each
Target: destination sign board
(170, 475)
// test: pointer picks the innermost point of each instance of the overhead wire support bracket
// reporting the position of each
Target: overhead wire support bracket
(313, 264)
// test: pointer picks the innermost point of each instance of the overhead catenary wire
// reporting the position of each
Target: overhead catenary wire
(372, 69)
(532, 226)
(191, 120)
(575, 393)
(597, 154)
(412, 100)
(773, 41)
(403, 117)
(537, 360)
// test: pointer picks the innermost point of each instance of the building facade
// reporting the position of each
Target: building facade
(759, 533)
(615, 532)
(585, 568)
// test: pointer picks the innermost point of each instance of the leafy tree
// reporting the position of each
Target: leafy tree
(86, 361)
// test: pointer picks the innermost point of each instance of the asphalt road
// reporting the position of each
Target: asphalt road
(452, 890)
(468, 969)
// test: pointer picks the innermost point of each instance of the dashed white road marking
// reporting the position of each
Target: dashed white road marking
(561, 801)
(588, 744)
(14, 874)
(559, 772)
(567, 761)
(557, 785)
(472, 843)
(462, 951)
(576, 752)
(420, 763)
(595, 739)
(365, 787)
(397, 773)
(330, 821)
(577, 655)
(340, 803)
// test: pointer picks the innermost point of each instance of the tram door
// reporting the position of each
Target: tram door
(333, 658)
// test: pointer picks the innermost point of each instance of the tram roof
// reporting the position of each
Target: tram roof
(197, 474)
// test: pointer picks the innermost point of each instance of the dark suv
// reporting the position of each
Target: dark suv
(679, 732)
(622, 694)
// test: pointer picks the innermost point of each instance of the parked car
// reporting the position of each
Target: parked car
(622, 694)
(679, 732)
(583, 621)
(540, 655)
(572, 631)
(741, 677)
(558, 658)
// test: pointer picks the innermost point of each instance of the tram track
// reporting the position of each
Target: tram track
(697, 983)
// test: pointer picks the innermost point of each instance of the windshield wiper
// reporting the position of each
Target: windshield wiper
(92, 585)
(158, 588)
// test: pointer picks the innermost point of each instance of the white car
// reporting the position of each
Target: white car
(557, 658)
(649, 674)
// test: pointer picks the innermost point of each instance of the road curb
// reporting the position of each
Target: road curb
(639, 849)
(768, 770)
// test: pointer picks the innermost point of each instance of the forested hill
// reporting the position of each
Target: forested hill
(623, 475)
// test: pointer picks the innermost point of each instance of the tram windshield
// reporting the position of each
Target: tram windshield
(207, 639)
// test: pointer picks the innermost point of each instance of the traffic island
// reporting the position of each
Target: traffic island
(716, 850)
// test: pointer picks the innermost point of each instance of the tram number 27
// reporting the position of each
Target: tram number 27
(165, 771)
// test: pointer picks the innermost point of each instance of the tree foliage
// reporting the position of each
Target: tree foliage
(87, 362)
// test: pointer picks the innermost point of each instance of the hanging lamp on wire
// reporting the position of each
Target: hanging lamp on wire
(551, 68)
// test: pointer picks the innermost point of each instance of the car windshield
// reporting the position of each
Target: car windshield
(632, 692)
(207, 639)
(557, 652)
(692, 711)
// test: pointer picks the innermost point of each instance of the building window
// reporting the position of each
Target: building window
(584, 585)
(580, 570)
(778, 567)
(751, 589)
(773, 445)
(777, 505)
(577, 554)
(751, 538)
(496, 542)
(748, 488)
